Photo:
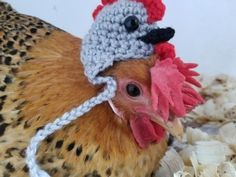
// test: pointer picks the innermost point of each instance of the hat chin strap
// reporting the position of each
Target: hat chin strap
(65, 119)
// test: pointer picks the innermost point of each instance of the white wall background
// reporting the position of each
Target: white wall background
(205, 29)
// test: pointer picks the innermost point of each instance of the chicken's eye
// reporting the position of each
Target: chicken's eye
(133, 90)
(131, 23)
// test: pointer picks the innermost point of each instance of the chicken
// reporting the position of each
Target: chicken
(42, 77)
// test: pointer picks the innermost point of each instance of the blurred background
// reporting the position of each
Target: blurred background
(205, 29)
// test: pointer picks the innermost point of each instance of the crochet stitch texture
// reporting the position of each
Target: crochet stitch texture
(109, 41)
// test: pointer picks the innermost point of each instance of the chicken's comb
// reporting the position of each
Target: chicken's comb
(166, 50)
(166, 89)
(171, 91)
(155, 9)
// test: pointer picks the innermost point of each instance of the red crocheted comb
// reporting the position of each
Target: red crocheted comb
(155, 9)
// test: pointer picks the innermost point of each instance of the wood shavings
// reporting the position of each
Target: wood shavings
(212, 152)
(220, 96)
(195, 164)
(226, 170)
(227, 134)
(170, 164)
(194, 135)
(186, 154)
(208, 146)
(182, 174)
(210, 171)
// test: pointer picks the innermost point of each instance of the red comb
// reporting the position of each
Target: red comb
(167, 83)
(170, 91)
(101, 6)
(166, 50)
(155, 9)
(185, 69)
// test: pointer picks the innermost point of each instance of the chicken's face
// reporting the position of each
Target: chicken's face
(149, 92)
(152, 94)
(133, 101)
(135, 106)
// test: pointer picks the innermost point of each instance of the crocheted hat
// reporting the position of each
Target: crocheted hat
(122, 30)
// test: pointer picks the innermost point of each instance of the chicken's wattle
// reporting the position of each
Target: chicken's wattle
(145, 131)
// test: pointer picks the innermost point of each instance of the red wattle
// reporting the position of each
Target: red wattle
(146, 132)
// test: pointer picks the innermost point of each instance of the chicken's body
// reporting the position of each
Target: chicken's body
(41, 78)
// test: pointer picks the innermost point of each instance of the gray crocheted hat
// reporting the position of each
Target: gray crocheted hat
(123, 30)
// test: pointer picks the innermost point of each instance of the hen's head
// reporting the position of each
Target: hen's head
(152, 94)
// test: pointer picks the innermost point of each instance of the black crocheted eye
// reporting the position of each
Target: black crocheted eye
(131, 23)
(133, 90)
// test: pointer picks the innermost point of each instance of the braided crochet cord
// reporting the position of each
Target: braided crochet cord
(65, 119)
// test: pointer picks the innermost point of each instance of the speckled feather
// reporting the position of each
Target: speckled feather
(41, 77)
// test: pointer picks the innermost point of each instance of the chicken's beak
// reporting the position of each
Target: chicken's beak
(156, 36)
(174, 127)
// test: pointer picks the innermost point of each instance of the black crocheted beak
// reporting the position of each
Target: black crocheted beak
(156, 36)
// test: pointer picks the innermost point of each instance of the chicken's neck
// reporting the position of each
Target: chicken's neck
(56, 83)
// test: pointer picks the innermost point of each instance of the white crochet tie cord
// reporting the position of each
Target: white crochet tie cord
(107, 41)
(65, 119)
